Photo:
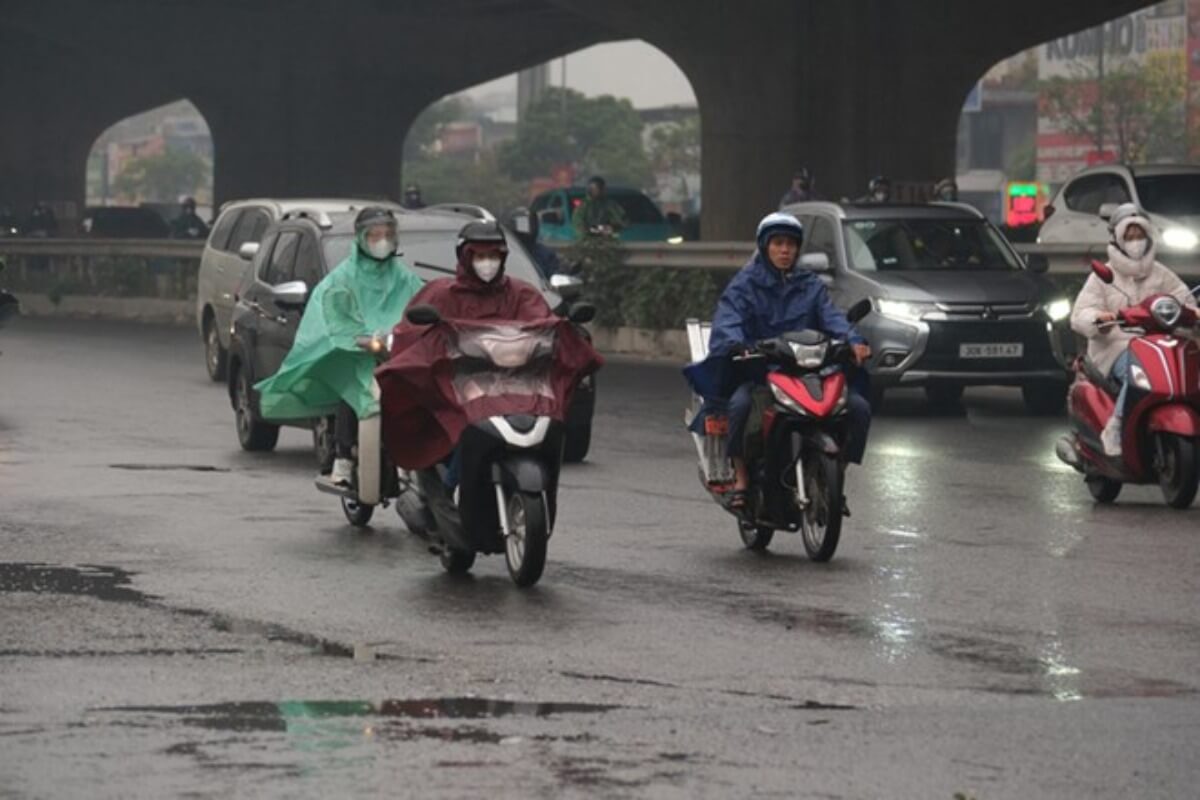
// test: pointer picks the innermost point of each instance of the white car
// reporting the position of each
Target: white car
(1168, 194)
(231, 245)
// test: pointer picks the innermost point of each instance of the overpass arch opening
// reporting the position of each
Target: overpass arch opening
(624, 110)
(154, 159)
(1127, 91)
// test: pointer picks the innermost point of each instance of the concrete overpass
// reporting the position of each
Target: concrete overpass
(315, 97)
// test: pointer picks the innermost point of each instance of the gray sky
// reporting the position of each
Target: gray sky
(630, 69)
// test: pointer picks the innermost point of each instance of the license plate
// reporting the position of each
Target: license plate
(1011, 350)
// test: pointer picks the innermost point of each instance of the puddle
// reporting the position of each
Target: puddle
(104, 583)
(170, 467)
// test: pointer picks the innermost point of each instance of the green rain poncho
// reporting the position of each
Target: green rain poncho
(360, 297)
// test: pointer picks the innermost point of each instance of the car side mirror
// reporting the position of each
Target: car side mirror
(1102, 271)
(1107, 210)
(581, 313)
(859, 310)
(293, 294)
(248, 250)
(815, 262)
(550, 217)
(1037, 263)
(568, 287)
(423, 315)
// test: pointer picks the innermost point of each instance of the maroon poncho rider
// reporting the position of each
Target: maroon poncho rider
(422, 416)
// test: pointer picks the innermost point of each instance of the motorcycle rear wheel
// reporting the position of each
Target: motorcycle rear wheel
(755, 537)
(529, 533)
(1179, 475)
(821, 522)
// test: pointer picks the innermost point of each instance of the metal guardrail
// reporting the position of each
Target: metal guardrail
(1064, 258)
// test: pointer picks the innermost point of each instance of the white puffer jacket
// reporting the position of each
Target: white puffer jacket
(1139, 278)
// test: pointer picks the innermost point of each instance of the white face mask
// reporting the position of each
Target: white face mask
(1136, 248)
(381, 248)
(486, 268)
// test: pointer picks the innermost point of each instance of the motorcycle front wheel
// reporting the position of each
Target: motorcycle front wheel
(529, 533)
(357, 514)
(821, 521)
(755, 537)
(1179, 473)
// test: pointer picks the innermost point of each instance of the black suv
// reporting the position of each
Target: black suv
(305, 246)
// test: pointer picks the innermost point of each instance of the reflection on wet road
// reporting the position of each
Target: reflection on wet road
(984, 628)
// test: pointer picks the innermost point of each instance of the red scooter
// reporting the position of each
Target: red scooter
(1160, 442)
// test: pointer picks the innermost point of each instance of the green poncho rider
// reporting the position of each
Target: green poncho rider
(326, 372)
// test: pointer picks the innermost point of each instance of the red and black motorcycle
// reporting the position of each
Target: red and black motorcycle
(1160, 440)
(794, 445)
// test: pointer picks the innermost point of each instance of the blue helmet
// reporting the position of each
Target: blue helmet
(778, 224)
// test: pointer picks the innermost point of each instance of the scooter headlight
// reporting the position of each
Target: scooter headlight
(1140, 379)
(1166, 311)
(809, 356)
(782, 398)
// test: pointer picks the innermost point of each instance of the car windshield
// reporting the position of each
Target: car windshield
(896, 245)
(431, 255)
(639, 209)
(1175, 195)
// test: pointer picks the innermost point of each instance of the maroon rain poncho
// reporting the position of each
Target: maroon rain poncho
(499, 350)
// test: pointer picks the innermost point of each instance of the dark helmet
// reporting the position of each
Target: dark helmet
(804, 175)
(946, 189)
(373, 215)
(596, 180)
(523, 223)
(480, 233)
(189, 203)
(879, 182)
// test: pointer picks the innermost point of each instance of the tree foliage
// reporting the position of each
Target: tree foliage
(1137, 111)
(597, 135)
(164, 177)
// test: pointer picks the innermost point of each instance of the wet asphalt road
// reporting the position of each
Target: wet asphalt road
(179, 618)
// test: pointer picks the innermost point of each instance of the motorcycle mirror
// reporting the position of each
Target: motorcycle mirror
(858, 310)
(1102, 271)
(423, 315)
(581, 313)
(568, 287)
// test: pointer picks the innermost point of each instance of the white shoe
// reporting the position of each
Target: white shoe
(1110, 437)
(343, 472)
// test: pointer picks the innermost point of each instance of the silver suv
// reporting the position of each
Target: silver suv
(226, 259)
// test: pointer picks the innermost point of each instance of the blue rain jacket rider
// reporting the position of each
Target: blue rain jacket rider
(762, 302)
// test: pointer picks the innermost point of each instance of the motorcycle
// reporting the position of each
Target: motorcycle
(506, 468)
(377, 482)
(794, 445)
(1160, 440)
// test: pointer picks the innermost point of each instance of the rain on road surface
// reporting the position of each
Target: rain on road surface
(180, 617)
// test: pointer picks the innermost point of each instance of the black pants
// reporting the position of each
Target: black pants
(345, 431)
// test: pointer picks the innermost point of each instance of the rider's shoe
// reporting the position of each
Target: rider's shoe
(1110, 437)
(343, 472)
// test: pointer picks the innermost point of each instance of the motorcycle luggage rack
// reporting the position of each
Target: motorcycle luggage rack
(712, 449)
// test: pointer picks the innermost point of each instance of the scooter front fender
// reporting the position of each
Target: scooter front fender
(369, 463)
(523, 473)
(1174, 418)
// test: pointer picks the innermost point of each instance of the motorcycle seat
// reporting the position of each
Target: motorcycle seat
(1098, 378)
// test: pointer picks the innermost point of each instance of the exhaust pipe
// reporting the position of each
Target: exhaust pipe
(1064, 448)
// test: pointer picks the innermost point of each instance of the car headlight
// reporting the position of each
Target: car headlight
(1059, 309)
(899, 309)
(675, 240)
(1180, 239)
(1140, 379)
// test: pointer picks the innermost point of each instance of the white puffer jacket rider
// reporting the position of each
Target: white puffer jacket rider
(1138, 278)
